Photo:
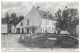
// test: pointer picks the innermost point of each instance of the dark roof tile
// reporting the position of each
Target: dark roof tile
(46, 15)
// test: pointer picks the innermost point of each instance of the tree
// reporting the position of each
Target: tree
(7, 18)
(14, 19)
(68, 19)
(21, 18)
(58, 15)
(59, 23)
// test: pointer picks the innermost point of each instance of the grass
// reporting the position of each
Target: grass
(67, 42)
(43, 42)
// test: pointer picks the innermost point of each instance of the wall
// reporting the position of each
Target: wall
(48, 25)
(4, 28)
(34, 19)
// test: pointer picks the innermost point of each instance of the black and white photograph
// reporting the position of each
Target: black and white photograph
(41, 25)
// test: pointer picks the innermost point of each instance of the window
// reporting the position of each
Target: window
(33, 30)
(22, 30)
(47, 22)
(21, 24)
(54, 24)
(18, 30)
(45, 15)
(9, 27)
(27, 30)
(27, 21)
(49, 28)
(53, 28)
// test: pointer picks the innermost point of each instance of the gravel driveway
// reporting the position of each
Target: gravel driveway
(11, 41)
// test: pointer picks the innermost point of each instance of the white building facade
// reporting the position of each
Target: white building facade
(4, 28)
(36, 21)
(48, 26)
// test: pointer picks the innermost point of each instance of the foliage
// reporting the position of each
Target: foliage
(13, 19)
(21, 18)
(67, 19)
(70, 18)
(7, 18)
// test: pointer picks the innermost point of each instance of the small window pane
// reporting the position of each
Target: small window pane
(21, 24)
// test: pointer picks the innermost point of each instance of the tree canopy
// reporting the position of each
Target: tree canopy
(67, 18)
(13, 18)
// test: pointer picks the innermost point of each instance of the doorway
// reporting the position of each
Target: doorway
(22, 30)
(27, 30)
(18, 30)
(33, 30)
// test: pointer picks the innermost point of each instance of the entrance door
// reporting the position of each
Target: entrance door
(33, 30)
(18, 30)
(27, 30)
(22, 30)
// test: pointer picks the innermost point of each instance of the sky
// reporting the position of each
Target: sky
(22, 8)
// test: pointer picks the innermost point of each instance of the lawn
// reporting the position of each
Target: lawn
(44, 42)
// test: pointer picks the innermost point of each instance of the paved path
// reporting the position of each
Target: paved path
(11, 41)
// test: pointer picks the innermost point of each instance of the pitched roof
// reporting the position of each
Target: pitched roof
(46, 15)
(3, 21)
(42, 14)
